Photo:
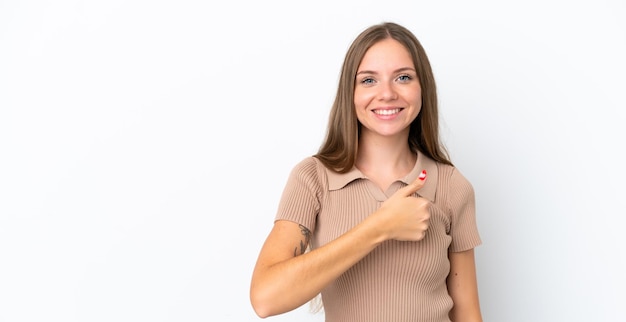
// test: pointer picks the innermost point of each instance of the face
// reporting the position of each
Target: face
(387, 95)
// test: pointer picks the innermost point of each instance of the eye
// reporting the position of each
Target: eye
(405, 78)
(367, 81)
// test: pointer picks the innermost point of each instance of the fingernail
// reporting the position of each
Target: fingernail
(422, 175)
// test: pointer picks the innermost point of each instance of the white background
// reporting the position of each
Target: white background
(144, 146)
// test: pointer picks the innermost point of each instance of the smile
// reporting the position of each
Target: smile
(387, 112)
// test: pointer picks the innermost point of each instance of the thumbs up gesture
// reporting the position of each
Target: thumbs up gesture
(404, 216)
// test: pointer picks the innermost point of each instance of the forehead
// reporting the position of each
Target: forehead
(387, 53)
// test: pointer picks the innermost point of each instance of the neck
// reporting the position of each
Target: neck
(387, 156)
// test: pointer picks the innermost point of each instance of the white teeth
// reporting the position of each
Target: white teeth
(387, 112)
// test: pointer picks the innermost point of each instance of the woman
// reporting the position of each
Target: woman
(389, 221)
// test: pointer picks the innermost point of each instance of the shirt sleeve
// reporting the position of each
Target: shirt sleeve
(463, 228)
(300, 200)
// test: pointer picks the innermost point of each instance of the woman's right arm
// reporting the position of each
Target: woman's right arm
(285, 277)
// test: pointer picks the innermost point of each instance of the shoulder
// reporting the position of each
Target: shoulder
(454, 186)
(309, 166)
(308, 171)
(307, 162)
(452, 177)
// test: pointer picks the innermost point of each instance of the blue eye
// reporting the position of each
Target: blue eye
(367, 81)
(404, 78)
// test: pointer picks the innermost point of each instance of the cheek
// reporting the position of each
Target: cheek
(419, 93)
(415, 100)
(418, 102)
(362, 98)
(413, 95)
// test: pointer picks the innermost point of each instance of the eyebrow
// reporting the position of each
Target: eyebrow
(395, 71)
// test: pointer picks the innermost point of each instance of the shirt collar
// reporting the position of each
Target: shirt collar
(337, 180)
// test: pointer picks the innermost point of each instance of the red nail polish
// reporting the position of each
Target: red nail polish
(422, 175)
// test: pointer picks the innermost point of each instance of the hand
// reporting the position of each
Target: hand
(404, 216)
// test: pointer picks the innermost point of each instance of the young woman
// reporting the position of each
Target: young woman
(389, 221)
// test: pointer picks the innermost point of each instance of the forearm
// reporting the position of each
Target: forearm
(288, 284)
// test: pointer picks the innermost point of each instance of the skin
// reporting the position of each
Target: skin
(463, 287)
(387, 84)
(387, 99)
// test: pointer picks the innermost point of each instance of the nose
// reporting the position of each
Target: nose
(387, 91)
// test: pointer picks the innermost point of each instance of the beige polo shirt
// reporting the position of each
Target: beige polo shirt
(399, 280)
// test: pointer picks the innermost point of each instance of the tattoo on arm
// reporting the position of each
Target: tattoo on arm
(303, 243)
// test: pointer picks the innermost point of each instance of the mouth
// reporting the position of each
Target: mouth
(387, 112)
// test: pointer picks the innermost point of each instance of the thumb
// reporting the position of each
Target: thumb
(412, 187)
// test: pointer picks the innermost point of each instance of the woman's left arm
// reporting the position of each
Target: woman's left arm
(463, 287)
